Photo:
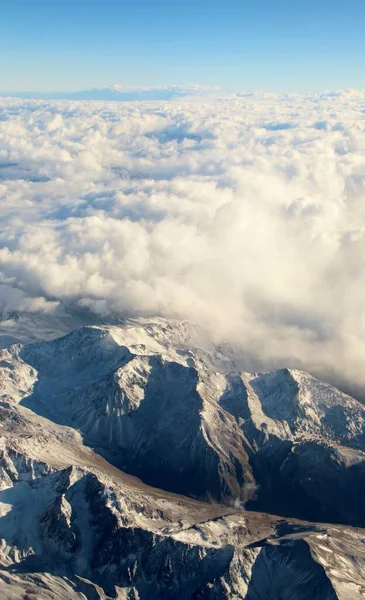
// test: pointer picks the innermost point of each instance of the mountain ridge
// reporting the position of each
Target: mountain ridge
(224, 451)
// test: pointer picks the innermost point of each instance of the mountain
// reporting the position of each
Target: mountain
(218, 452)
(119, 94)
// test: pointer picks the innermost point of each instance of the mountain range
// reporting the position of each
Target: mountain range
(137, 462)
(118, 93)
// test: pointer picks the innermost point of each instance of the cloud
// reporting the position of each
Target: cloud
(244, 213)
(14, 300)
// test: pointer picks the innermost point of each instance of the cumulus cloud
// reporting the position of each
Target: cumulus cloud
(243, 213)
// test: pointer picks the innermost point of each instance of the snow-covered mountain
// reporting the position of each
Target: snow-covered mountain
(119, 93)
(84, 414)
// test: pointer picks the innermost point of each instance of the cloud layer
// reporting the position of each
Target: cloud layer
(246, 214)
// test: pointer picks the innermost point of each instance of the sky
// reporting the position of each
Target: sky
(278, 45)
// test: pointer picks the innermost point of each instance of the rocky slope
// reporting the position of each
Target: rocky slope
(180, 418)
(80, 412)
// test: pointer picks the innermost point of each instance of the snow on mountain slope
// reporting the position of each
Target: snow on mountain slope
(149, 400)
(26, 327)
(310, 407)
(73, 526)
(155, 404)
(307, 442)
(139, 401)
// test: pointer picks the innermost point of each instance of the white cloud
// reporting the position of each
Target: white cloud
(246, 214)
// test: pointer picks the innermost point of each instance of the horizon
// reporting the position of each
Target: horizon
(173, 91)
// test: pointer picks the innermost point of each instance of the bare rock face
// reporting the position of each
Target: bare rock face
(82, 415)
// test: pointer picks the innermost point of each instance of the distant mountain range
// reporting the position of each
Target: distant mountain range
(119, 93)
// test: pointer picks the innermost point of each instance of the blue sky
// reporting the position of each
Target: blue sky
(236, 44)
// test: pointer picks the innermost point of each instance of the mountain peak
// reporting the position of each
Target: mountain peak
(153, 404)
